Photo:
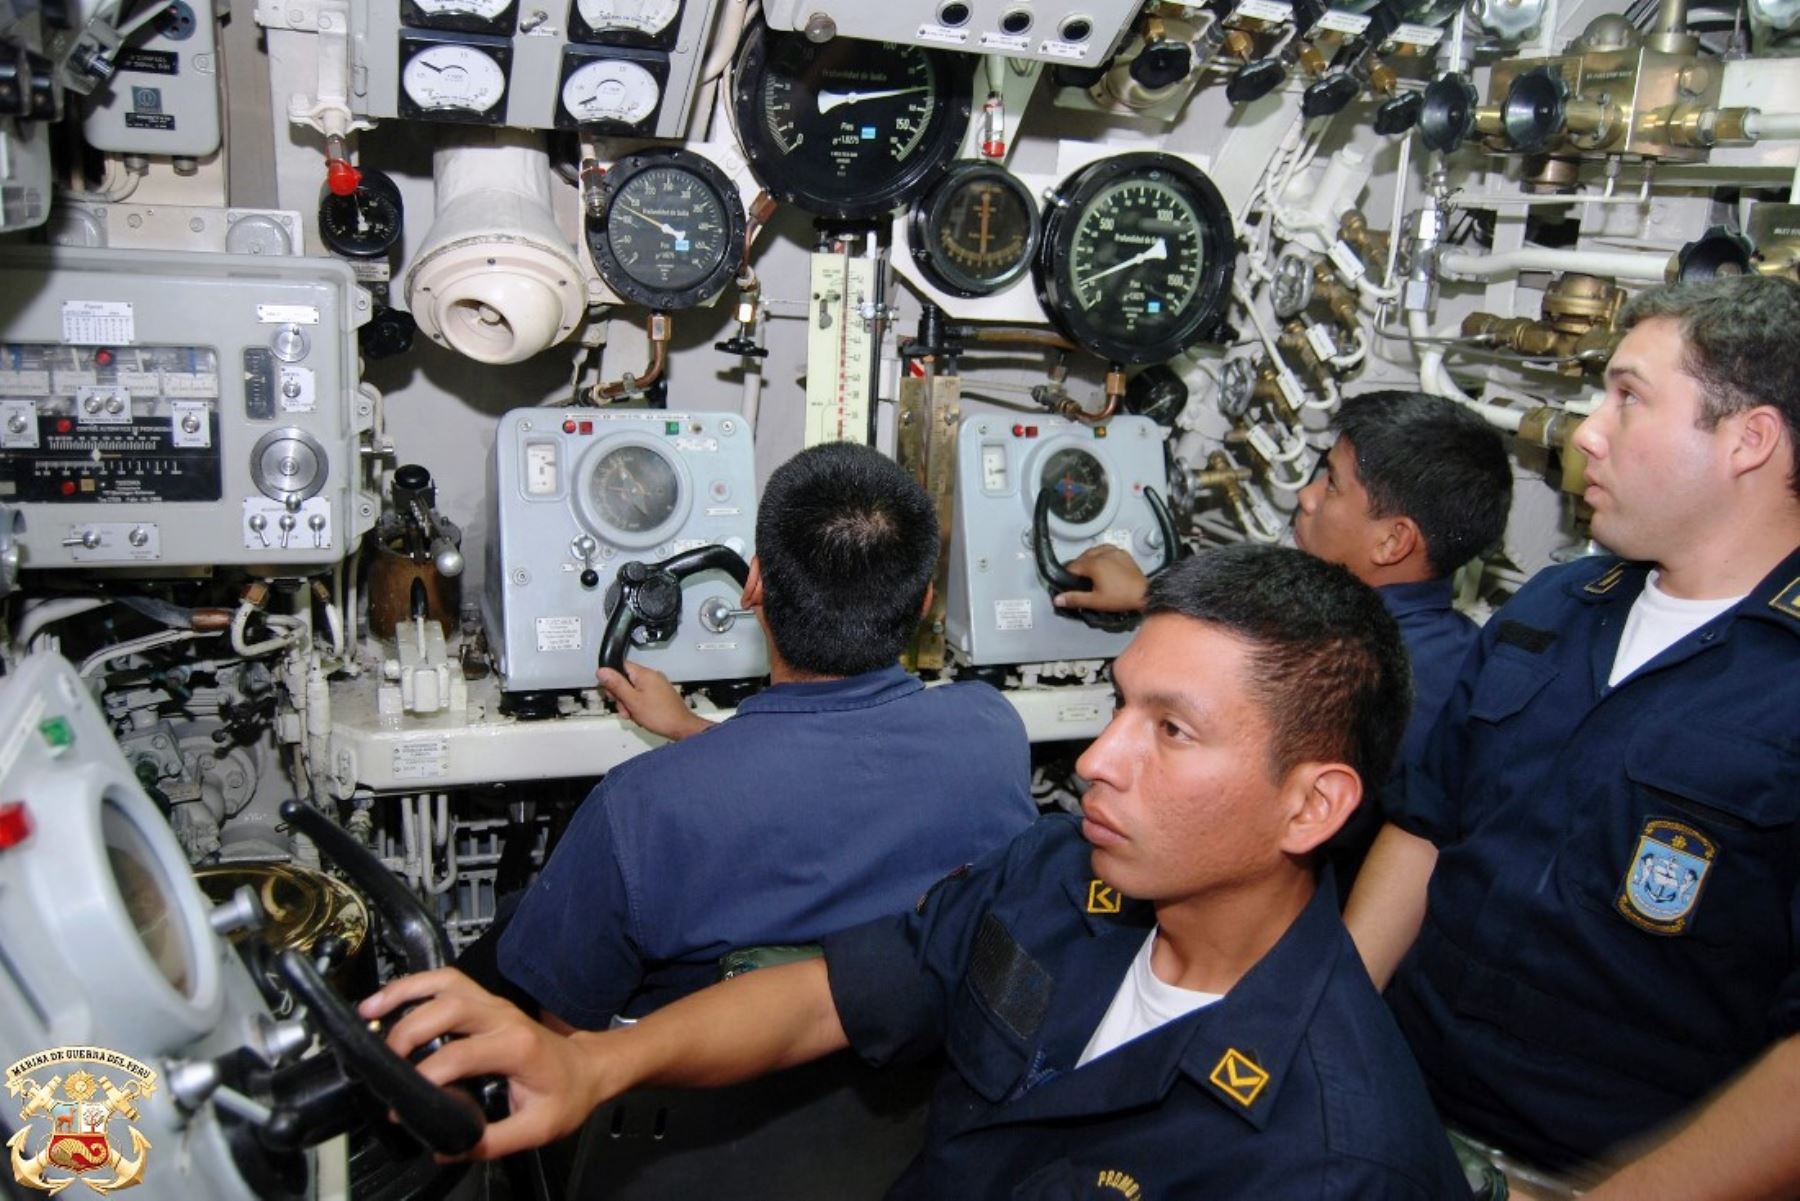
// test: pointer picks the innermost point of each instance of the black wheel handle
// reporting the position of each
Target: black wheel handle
(407, 927)
(645, 590)
(446, 1120)
(1060, 579)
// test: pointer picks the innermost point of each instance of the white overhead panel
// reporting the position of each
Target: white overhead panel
(1079, 33)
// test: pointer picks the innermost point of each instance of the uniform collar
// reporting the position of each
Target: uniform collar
(825, 696)
(1243, 1045)
(1418, 596)
(1776, 598)
(1237, 1050)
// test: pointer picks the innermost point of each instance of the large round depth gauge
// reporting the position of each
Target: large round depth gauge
(1136, 259)
(848, 129)
(974, 232)
(671, 230)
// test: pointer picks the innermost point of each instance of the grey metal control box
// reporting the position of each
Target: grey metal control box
(182, 410)
(616, 69)
(578, 492)
(999, 609)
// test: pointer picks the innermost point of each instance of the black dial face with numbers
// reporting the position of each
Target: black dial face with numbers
(672, 231)
(974, 232)
(848, 129)
(1077, 484)
(1137, 258)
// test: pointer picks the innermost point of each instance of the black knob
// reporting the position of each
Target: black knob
(413, 477)
(1447, 113)
(1158, 393)
(659, 600)
(590, 578)
(1399, 114)
(1329, 96)
(1255, 80)
(1161, 64)
(388, 333)
(1715, 253)
(1534, 111)
(743, 347)
(634, 572)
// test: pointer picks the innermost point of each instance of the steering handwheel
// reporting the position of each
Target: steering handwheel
(1060, 579)
(647, 596)
(449, 1121)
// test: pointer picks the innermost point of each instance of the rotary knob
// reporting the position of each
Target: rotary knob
(288, 465)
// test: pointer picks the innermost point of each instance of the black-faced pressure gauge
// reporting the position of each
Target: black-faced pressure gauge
(498, 17)
(454, 77)
(1077, 484)
(974, 232)
(671, 230)
(611, 91)
(363, 223)
(1136, 258)
(651, 23)
(848, 129)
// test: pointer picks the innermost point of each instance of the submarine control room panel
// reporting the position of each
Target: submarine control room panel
(372, 370)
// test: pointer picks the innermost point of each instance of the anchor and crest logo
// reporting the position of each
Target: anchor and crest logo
(79, 1103)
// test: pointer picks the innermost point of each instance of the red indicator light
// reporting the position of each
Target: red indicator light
(1031, 431)
(64, 425)
(68, 487)
(587, 427)
(15, 824)
(569, 426)
(1018, 431)
(103, 358)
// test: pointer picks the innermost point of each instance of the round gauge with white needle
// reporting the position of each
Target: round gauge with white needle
(468, 16)
(672, 230)
(625, 22)
(453, 81)
(609, 91)
(1136, 259)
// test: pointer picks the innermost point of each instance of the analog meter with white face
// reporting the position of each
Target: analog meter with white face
(461, 80)
(617, 93)
(625, 22)
(467, 16)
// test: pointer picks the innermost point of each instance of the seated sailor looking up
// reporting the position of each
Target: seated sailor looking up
(1212, 1036)
(837, 794)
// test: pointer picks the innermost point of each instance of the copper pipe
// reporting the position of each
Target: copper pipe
(1005, 335)
(660, 328)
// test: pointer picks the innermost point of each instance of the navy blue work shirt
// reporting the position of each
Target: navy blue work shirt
(1437, 639)
(1296, 1084)
(1611, 927)
(815, 807)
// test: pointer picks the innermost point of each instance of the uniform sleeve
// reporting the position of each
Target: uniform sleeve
(892, 979)
(1420, 795)
(572, 943)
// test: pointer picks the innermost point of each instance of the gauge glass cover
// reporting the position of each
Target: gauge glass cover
(453, 77)
(848, 129)
(975, 231)
(673, 231)
(1077, 484)
(610, 91)
(634, 489)
(638, 16)
(1136, 259)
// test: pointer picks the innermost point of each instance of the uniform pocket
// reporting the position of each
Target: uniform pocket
(1508, 681)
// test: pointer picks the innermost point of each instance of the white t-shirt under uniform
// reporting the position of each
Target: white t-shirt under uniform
(1657, 622)
(1141, 1005)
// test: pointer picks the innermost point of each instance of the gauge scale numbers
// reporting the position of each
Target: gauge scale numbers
(625, 22)
(616, 94)
(461, 80)
(672, 234)
(848, 129)
(466, 16)
(1137, 258)
(1078, 486)
(974, 232)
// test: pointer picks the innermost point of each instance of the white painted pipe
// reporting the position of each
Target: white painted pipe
(1771, 127)
(1611, 264)
(1434, 379)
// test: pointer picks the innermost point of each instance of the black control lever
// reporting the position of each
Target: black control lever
(446, 1120)
(407, 927)
(1060, 579)
(648, 595)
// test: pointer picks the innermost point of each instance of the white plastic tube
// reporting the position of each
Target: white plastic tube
(495, 279)
(1621, 264)
(1434, 379)
(1772, 127)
